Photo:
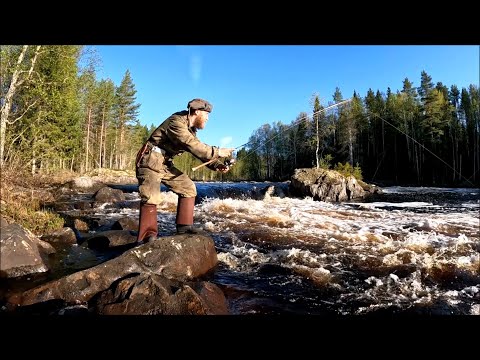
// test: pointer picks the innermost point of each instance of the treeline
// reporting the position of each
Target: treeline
(428, 135)
(56, 114)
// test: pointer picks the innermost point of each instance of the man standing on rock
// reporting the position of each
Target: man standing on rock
(154, 165)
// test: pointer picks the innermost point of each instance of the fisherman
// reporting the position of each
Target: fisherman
(154, 165)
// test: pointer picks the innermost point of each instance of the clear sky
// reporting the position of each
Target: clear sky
(258, 84)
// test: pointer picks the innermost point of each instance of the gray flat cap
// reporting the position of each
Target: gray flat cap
(200, 104)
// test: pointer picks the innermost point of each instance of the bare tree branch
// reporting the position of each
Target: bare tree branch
(18, 118)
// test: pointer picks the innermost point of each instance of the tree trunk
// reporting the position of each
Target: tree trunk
(121, 148)
(460, 165)
(350, 146)
(383, 136)
(476, 156)
(33, 163)
(7, 105)
(114, 154)
(453, 157)
(318, 144)
(395, 153)
(88, 138)
(101, 138)
(14, 84)
(406, 138)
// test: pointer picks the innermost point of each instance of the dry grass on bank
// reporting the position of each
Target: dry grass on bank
(22, 196)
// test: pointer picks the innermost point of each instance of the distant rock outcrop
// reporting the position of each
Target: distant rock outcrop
(329, 185)
(108, 195)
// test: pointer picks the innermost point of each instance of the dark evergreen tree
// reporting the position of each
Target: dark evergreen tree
(126, 112)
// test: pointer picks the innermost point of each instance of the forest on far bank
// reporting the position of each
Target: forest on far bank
(56, 114)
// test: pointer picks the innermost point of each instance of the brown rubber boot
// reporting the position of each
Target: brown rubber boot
(184, 218)
(147, 223)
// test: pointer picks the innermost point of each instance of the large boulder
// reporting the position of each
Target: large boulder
(63, 236)
(22, 253)
(108, 195)
(328, 185)
(150, 294)
(83, 184)
(155, 278)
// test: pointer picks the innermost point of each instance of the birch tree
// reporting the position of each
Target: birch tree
(14, 76)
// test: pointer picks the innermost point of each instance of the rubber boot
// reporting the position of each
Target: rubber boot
(184, 218)
(147, 223)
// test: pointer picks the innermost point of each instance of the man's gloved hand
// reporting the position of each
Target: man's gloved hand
(225, 152)
(222, 168)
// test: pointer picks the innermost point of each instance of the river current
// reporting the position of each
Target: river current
(410, 250)
(407, 251)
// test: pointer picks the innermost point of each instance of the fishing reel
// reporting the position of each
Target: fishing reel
(229, 162)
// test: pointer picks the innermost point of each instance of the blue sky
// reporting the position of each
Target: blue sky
(258, 84)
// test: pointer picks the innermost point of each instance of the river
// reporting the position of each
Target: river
(408, 251)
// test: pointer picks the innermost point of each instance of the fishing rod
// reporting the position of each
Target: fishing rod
(295, 124)
(421, 145)
(204, 164)
(230, 162)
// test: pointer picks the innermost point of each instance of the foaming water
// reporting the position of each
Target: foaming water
(351, 258)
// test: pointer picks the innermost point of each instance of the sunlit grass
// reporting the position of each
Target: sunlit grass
(23, 196)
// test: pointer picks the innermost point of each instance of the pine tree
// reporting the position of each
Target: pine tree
(126, 112)
(426, 85)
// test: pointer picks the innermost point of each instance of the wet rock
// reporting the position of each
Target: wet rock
(3, 222)
(62, 206)
(80, 225)
(82, 205)
(108, 195)
(22, 253)
(212, 297)
(80, 258)
(202, 298)
(178, 258)
(155, 295)
(111, 238)
(137, 295)
(126, 223)
(64, 236)
(272, 191)
(84, 184)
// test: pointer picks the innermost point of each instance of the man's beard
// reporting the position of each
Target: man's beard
(199, 123)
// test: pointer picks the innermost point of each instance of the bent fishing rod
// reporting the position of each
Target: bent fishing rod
(296, 123)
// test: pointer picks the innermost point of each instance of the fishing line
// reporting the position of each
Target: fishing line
(296, 123)
(424, 147)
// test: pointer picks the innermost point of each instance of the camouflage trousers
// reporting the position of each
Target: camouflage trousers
(153, 169)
